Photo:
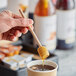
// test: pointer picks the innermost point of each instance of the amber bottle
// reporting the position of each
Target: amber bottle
(65, 24)
(45, 24)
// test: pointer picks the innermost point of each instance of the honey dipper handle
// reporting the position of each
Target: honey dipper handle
(33, 33)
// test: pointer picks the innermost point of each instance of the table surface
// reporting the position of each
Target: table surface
(67, 62)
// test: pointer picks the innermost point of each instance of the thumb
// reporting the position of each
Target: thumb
(22, 22)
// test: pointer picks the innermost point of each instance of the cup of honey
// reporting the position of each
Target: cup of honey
(35, 68)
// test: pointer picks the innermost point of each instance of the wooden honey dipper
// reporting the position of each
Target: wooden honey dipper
(43, 52)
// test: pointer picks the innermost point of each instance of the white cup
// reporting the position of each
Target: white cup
(32, 72)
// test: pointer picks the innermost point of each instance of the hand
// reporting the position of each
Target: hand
(12, 26)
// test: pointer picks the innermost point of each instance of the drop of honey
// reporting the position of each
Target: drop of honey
(43, 64)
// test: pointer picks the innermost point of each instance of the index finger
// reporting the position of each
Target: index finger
(11, 14)
(16, 16)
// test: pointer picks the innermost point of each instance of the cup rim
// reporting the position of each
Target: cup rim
(28, 68)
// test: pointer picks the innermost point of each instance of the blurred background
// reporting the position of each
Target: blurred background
(55, 26)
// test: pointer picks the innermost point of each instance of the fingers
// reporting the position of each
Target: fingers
(24, 30)
(19, 30)
(22, 22)
(13, 38)
(12, 20)
(12, 14)
(10, 37)
(16, 16)
(4, 28)
(7, 13)
(18, 33)
(13, 34)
